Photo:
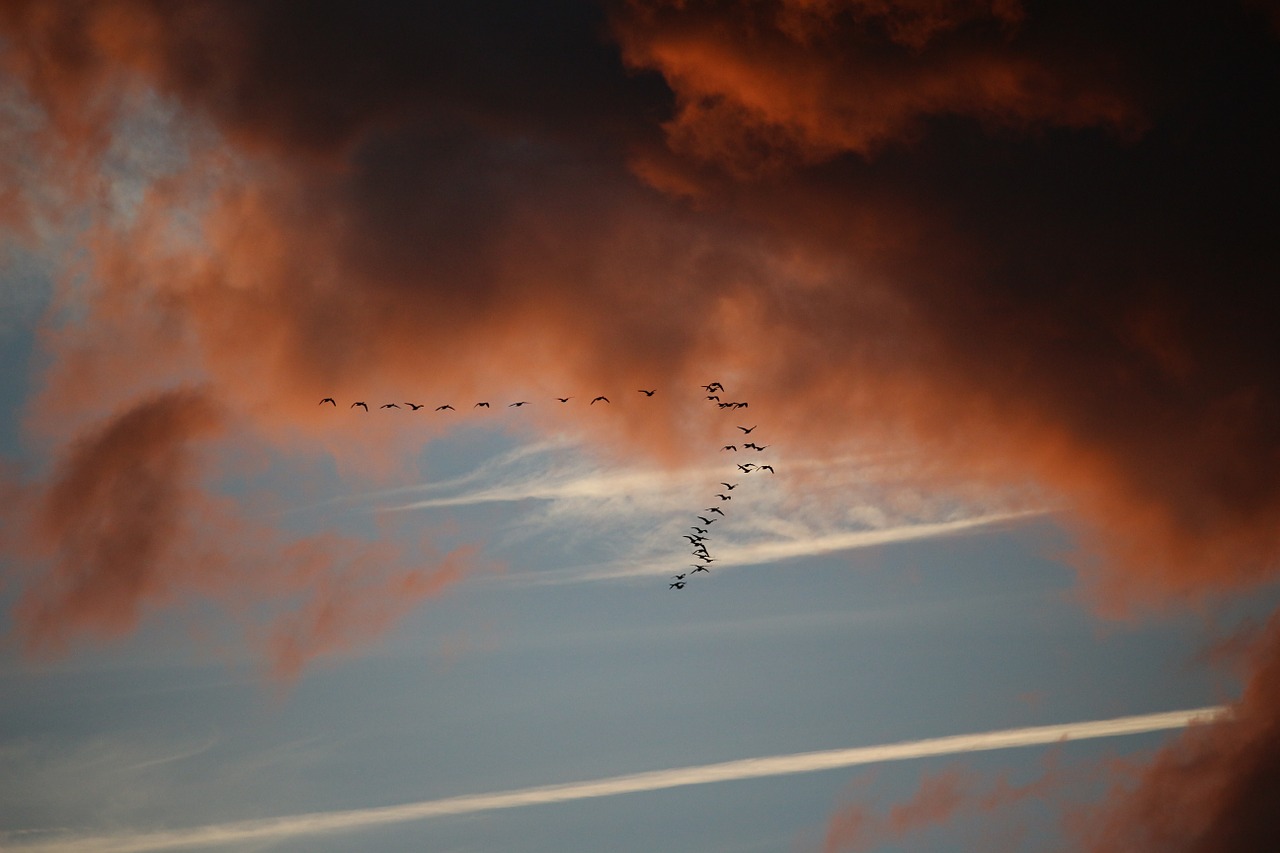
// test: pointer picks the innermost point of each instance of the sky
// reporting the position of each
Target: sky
(991, 282)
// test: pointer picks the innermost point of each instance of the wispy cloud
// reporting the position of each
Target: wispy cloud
(844, 504)
(319, 823)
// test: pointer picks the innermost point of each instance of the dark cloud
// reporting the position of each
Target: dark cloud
(1033, 237)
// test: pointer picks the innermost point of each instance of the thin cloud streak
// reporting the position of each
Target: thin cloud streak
(771, 551)
(748, 768)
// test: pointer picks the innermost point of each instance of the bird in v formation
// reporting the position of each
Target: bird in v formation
(699, 539)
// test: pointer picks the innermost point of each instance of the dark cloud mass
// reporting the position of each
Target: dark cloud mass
(1035, 237)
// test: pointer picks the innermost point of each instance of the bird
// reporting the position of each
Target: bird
(714, 386)
(746, 431)
(760, 447)
(365, 406)
(713, 397)
(729, 487)
(679, 577)
(564, 399)
(415, 406)
(647, 393)
(724, 497)
(698, 529)
(478, 405)
(750, 444)
(739, 405)
(705, 520)
(697, 569)
(598, 399)
(517, 405)
(725, 405)
(326, 400)
(676, 585)
(445, 406)
(389, 406)
(746, 469)
(729, 447)
(706, 559)
(768, 468)
(694, 539)
(715, 509)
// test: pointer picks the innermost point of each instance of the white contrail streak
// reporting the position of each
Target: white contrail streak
(748, 768)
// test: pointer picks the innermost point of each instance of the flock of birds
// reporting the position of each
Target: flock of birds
(707, 516)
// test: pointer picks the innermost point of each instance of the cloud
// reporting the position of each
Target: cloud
(1024, 239)
(750, 768)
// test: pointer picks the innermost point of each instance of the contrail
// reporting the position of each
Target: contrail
(748, 768)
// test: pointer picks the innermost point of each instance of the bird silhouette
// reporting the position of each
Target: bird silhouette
(725, 405)
(724, 497)
(730, 447)
(768, 468)
(715, 509)
(598, 399)
(416, 406)
(746, 469)
(698, 529)
(364, 406)
(389, 406)
(697, 569)
(564, 399)
(706, 559)
(714, 386)
(326, 400)
(648, 393)
(713, 397)
(729, 487)
(739, 405)
(679, 577)
(517, 405)
(676, 585)
(445, 406)
(750, 444)
(480, 405)
(705, 520)
(746, 431)
(760, 447)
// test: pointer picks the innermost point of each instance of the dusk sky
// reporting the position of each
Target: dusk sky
(995, 280)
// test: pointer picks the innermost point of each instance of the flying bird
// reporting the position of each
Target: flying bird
(746, 469)
(564, 399)
(365, 406)
(706, 559)
(478, 405)
(729, 487)
(705, 520)
(715, 509)
(416, 406)
(698, 529)
(676, 585)
(724, 497)
(714, 386)
(746, 431)
(760, 447)
(679, 577)
(647, 393)
(725, 405)
(598, 399)
(445, 406)
(697, 569)
(517, 405)
(750, 444)
(327, 400)
(713, 397)
(739, 405)
(768, 468)
(389, 406)
(729, 447)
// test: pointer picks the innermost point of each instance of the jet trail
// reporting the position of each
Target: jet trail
(221, 835)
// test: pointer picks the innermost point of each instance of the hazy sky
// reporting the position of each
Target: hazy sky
(996, 279)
